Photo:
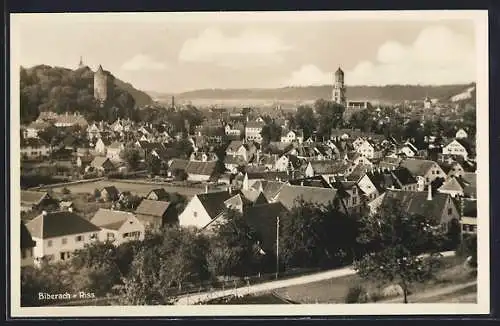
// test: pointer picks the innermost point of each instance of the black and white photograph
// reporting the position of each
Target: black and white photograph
(249, 163)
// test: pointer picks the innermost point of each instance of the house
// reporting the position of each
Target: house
(452, 169)
(84, 161)
(409, 150)
(232, 163)
(70, 120)
(237, 148)
(425, 171)
(234, 130)
(156, 214)
(201, 171)
(110, 193)
(114, 151)
(37, 200)
(469, 216)
(253, 130)
(289, 196)
(461, 134)
(203, 208)
(376, 181)
(93, 131)
(67, 205)
(326, 168)
(34, 128)
(158, 194)
(368, 150)
(440, 207)
(358, 142)
(117, 226)
(101, 146)
(459, 147)
(27, 245)
(34, 148)
(459, 187)
(101, 165)
(268, 188)
(290, 136)
(59, 234)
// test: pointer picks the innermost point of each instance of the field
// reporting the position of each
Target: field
(140, 189)
(452, 273)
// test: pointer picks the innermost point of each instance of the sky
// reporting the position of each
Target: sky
(172, 53)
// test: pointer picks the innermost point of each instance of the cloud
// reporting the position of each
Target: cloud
(437, 56)
(249, 48)
(143, 62)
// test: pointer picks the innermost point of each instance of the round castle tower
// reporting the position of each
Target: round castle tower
(103, 85)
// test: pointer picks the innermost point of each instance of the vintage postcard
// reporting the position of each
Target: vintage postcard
(249, 163)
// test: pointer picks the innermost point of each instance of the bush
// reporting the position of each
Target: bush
(354, 294)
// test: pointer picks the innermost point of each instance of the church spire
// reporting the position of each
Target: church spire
(80, 65)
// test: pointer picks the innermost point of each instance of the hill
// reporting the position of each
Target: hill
(381, 94)
(57, 89)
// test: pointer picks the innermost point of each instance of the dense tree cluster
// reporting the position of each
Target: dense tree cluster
(45, 88)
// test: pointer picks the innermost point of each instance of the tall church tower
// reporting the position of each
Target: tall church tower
(338, 94)
(103, 85)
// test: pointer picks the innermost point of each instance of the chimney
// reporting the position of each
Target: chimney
(44, 213)
(429, 192)
(206, 189)
(229, 189)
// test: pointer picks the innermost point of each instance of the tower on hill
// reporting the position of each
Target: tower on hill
(338, 94)
(103, 85)
(81, 65)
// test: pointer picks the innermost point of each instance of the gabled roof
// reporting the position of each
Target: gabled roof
(33, 143)
(26, 240)
(110, 219)
(329, 167)
(201, 168)
(269, 188)
(152, 207)
(161, 193)
(416, 203)
(254, 124)
(57, 224)
(452, 184)
(321, 196)
(112, 191)
(33, 197)
(404, 176)
(178, 164)
(116, 145)
(214, 202)
(235, 146)
(99, 161)
(418, 167)
(315, 181)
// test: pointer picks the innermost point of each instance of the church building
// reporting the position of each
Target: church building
(339, 96)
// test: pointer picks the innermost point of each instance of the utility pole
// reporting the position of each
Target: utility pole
(277, 246)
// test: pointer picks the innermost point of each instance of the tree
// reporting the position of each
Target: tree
(232, 246)
(180, 175)
(165, 260)
(305, 120)
(398, 241)
(47, 278)
(330, 115)
(270, 132)
(132, 156)
(316, 235)
(154, 164)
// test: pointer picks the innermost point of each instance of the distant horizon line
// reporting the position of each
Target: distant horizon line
(304, 86)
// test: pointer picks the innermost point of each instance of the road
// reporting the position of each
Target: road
(272, 285)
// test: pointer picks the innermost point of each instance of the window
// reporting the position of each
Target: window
(64, 241)
(195, 214)
(450, 211)
(133, 235)
(79, 238)
(465, 227)
(65, 255)
(49, 243)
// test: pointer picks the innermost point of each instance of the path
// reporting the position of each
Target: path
(272, 285)
(432, 293)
